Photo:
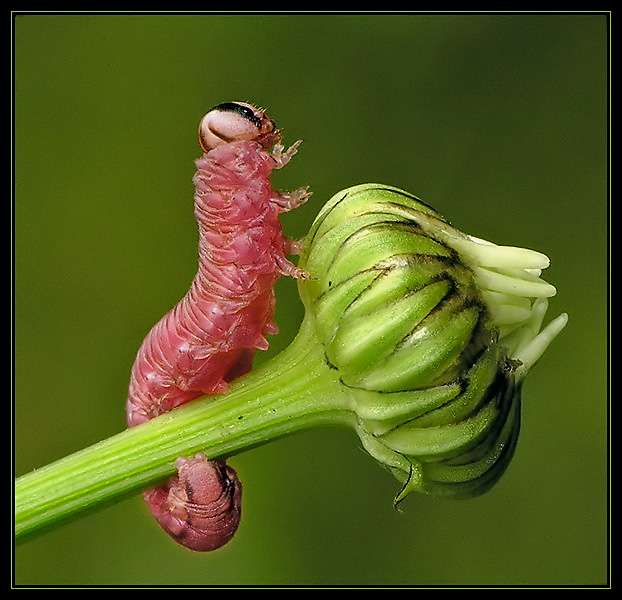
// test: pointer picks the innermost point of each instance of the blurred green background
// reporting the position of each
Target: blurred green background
(497, 120)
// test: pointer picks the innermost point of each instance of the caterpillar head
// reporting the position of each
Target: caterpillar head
(236, 121)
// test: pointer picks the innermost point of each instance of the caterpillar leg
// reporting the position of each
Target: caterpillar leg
(290, 269)
(282, 158)
(150, 395)
(287, 201)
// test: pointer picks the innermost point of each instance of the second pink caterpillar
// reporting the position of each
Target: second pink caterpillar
(211, 335)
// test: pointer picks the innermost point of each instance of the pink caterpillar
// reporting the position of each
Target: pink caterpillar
(210, 337)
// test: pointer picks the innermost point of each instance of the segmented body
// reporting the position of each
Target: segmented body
(211, 335)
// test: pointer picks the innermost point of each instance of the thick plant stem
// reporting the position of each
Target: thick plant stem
(295, 390)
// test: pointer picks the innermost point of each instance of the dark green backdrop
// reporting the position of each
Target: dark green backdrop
(498, 121)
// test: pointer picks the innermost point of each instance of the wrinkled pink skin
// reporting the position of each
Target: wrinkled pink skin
(210, 337)
(203, 503)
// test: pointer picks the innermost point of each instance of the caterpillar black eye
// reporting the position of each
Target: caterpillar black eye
(243, 110)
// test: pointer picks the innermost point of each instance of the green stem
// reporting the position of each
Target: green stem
(293, 391)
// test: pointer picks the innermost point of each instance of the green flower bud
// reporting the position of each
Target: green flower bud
(431, 331)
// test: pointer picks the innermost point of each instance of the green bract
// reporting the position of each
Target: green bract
(431, 332)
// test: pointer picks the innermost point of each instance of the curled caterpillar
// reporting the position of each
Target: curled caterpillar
(200, 507)
(210, 337)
